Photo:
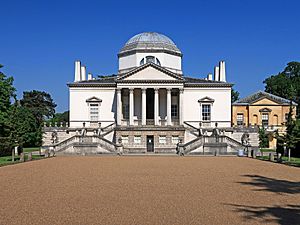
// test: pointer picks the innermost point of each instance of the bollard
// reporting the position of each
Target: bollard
(46, 153)
(271, 157)
(253, 154)
(249, 152)
(22, 157)
(29, 156)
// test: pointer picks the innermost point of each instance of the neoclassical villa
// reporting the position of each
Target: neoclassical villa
(149, 105)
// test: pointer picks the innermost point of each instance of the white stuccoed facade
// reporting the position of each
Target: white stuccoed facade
(149, 104)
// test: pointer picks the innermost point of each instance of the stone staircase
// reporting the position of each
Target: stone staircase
(83, 145)
(212, 145)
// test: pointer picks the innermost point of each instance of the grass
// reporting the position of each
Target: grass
(6, 160)
(267, 150)
(31, 149)
(294, 161)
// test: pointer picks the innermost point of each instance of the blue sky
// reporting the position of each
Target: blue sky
(40, 40)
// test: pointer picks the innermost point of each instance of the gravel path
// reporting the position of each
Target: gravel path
(149, 190)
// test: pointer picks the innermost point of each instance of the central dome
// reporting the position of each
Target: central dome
(150, 41)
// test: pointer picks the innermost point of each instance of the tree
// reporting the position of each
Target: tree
(263, 138)
(7, 94)
(286, 84)
(40, 104)
(235, 95)
(60, 118)
(24, 129)
(292, 136)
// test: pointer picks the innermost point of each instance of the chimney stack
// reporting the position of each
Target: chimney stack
(222, 71)
(209, 76)
(83, 73)
(90, 76)
(77, 71)
(217, 73)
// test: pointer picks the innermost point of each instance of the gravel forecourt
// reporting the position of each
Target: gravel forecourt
(149, 190)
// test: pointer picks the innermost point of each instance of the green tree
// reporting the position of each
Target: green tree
(60, 118)
(7, 94)
(40, 104)
(263, 138)
(286, 84)
(235, 95)
(24, 129)
(292, 136)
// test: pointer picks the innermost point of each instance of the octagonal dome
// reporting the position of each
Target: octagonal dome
(150, 42)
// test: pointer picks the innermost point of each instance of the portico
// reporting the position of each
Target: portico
(146, 105)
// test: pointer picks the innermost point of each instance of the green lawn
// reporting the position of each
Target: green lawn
(31, 149)
(267, 150)
(294, 161)
(5, 160)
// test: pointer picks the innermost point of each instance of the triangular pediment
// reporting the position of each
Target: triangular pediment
(93, 99)
(149, 72)
(264, 101)
(206, 99)
(263, 98)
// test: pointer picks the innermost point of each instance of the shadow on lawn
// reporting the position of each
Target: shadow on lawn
(273, 185)
(287, 215)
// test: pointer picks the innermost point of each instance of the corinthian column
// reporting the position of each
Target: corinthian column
(169, 99)
(131, 107)
(156, 109)
(119, 106)
(144, 106)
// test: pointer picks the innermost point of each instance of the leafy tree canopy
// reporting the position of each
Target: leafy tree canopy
(7, 93)
(235, 95)
(286, 84)
(39, 103)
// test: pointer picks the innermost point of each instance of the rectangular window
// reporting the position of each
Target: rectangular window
(265, 119)
(94, 112)
(175, 139)
(125, 139)
(162, 139)
(126, 111)
(174, 111)
(240, 119)
(206, 112)
(137, 139)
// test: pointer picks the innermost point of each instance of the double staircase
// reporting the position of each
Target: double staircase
(214, 144)
(84, 144)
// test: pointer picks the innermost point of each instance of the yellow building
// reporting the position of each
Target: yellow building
(263, 110)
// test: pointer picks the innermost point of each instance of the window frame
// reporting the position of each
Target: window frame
(238, 121)
(162, 139)
(265, 122)
(204, 105)
(137, 137)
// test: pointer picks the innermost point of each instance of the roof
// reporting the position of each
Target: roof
(260, 95)
(149, 41)
(112, 80)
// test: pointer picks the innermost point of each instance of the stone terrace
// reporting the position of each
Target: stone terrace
(149, 190)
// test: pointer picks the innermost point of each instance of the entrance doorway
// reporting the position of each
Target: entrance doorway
(150, 104)
(150, 143)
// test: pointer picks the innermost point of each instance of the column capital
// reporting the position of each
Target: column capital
(181, 90)
(144, 89)
(118, 90)
(131, 90)
(169, 89)
(156, 90)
